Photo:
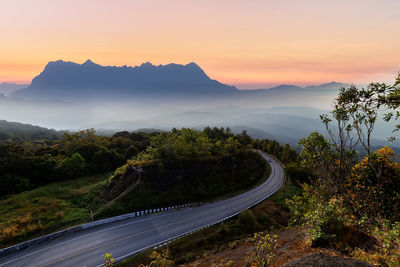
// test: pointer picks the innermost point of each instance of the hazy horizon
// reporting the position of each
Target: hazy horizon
(240, 86)
(247, 44)
(237, 42)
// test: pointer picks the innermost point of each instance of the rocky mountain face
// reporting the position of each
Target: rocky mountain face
(71, 81)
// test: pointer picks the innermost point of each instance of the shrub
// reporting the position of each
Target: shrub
(389, 252)
(108, 260)
(159, 259)
(72, 167)
(263, 249)
(374, 186)
(248, 222)
(321, 215)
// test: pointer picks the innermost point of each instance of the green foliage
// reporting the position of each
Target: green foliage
(390, 235)
(27, 165)
(70, 142)
(320, 215)
(49, 208)
(327, 167)
(351, 193)
(248, 221)
(284, 153)
(374, 186)
(298, 172)
(363, 104)
(160, 259)
(73, 166)
(18, 133)
(264, 248)
(167, 182)
(315, 151)
(189, 144)
(389, 253)
(289, 190)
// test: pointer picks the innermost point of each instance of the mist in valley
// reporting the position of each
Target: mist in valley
(285, 117)
(71, 96)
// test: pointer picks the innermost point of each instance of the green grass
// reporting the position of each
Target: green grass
(49, 208)
(288, 191)
(270, 214)
(64, 204)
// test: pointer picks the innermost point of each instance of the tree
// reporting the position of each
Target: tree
(120, 144)
(389, 97)
(374, 186)
(264, 247)
(318, 156)
(231, 146)
(244, 138)
(341, 138)
(358, 109)
(70, 141)
(359, 105)
(73, 166)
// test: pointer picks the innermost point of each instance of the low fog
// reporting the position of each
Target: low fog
(285, 117)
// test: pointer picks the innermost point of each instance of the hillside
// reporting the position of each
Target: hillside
(16, 131)
(178, 167)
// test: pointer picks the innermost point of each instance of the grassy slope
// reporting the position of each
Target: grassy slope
(269, 214)
(58, 206)
(49, 208)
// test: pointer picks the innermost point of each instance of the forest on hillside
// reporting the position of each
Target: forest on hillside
(349, 191)
(348, 204)
(83, 172)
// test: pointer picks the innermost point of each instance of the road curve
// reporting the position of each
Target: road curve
(128, 237)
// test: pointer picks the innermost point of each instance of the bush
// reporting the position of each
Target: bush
(159, 259)
(248, 221)
(374, 186)
(72, 167)
(389, 252)
(263, 249)
(108, 260)
(321, 215)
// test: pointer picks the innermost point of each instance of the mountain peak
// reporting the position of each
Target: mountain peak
(192, 64)
(147, 64)
(89, 62)
(333, 83)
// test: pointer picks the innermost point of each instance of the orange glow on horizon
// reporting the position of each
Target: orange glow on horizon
(235, 42)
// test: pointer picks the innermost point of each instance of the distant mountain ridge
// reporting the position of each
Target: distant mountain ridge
(65, 80)
(68, 80)
(287, 88)
(8, 88)
(16, 132)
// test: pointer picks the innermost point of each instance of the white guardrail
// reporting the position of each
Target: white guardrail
(132, 215)
(38, 240)
(171, 239)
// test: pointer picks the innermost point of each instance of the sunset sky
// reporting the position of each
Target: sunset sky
(247, 43)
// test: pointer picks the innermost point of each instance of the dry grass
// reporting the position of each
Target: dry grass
(48, 208)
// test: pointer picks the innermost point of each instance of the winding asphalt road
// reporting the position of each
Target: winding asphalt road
(130, 236)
